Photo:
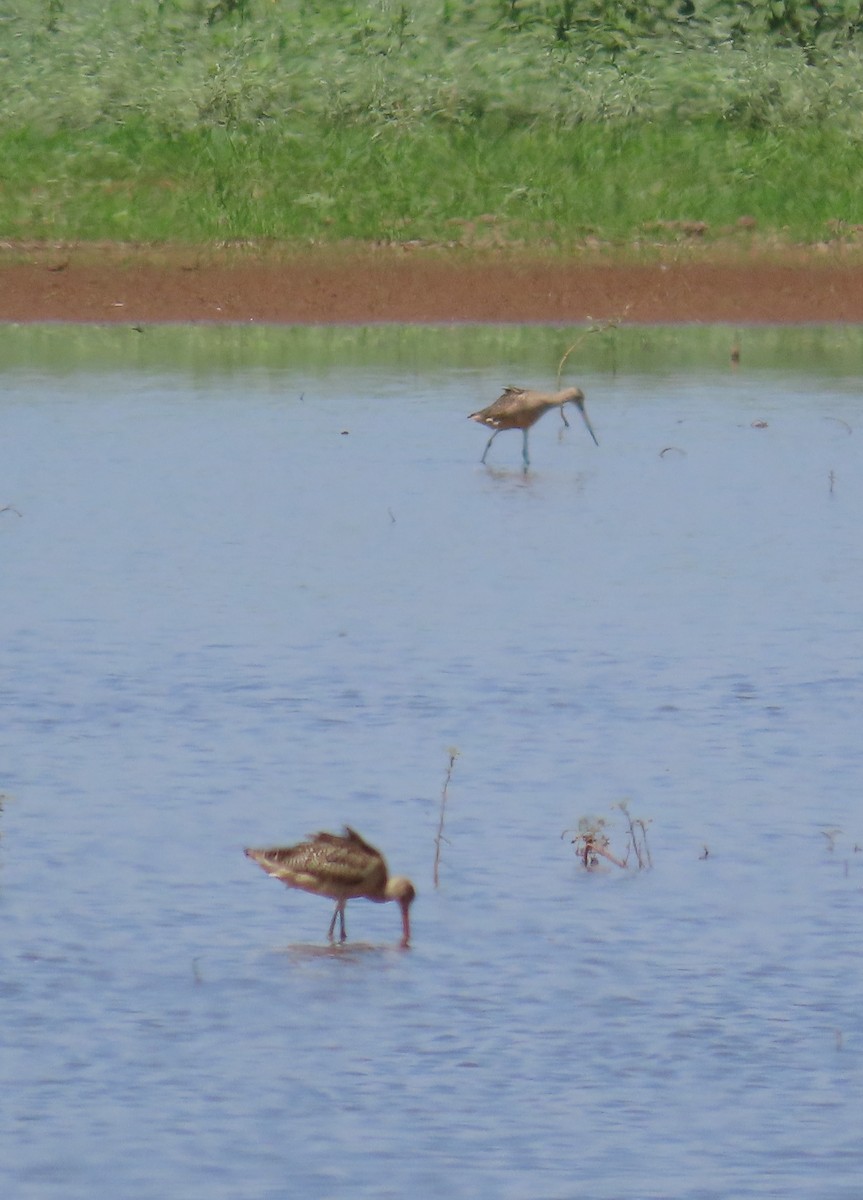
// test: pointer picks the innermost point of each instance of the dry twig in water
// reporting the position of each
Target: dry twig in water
(596, 327)
(592, 842)
(831, 835)
(637, 837)
(439, 837)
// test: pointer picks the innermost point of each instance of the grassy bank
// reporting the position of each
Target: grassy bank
(618, 184)
(474, 122)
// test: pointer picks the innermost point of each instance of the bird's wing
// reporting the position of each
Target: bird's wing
(350, 857)
(354, 838)
(509, 402)
(511, 396)
(329, 865)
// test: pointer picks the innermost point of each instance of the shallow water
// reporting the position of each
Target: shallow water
(243, 602)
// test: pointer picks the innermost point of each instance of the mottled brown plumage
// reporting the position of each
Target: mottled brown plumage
(343, 867)
(520, 408)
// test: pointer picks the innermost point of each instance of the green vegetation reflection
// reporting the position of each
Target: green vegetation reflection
(209, 350)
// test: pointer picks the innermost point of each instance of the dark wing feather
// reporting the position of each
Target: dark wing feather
(330, 863)
(510, 403)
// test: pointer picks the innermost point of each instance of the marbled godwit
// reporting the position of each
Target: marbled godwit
(520, 408)
(343, 867)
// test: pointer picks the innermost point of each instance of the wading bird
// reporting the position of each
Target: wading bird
(520, 408)
(343, 867)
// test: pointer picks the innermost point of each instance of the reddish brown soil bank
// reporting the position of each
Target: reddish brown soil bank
(91, 285)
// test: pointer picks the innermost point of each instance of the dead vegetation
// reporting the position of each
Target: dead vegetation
(439, 837)
(592, 842)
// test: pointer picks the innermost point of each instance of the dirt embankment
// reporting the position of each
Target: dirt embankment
(122, 284)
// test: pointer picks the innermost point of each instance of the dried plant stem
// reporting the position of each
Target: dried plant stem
(439, 837)
(591, 841)
(596, 327)
(637, 837)
(596, 848)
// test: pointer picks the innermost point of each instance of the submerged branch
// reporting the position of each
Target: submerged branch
(453, 755)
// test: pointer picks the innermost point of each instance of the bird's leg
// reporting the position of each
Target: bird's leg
(563, 415)
(338, 915)
(488, 444)
(524, 451)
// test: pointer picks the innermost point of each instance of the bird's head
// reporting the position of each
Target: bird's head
(404, 893)
(575, 396)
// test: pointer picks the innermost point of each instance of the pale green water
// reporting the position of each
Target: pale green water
(828, 350)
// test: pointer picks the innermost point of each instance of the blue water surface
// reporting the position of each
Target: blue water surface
(240, 605)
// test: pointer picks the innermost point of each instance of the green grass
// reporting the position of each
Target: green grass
(203, 121)
(544, 188)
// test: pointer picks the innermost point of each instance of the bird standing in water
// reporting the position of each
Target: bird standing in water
(521, 408)
(343, 867)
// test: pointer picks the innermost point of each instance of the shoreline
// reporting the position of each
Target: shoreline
(357, 285)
